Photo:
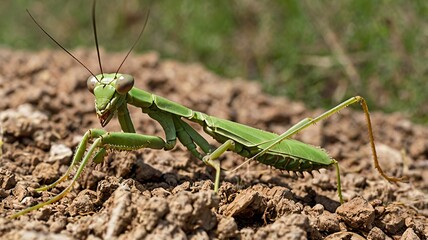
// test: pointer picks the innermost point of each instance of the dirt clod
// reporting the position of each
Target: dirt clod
(7, 179)
(227, 228)
(409, 234)
(392, 219)
(344, 235)
(84, 203)
(47, 173)
(60, 152)
(377, 234)
(328, 222)
(294, 226)
(357, 213)
(154, 210)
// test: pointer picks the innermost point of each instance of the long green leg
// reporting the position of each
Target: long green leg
(68, 188)
(190, 138)
(307, 122)
(212, 160)
(196, 137)
(339, 183)
(77, 157)
(103, 140)
(166, 121)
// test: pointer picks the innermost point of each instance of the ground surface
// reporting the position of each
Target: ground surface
(45, 109)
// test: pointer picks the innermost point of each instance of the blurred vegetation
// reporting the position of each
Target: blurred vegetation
(319, 52)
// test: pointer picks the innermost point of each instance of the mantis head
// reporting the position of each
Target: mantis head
(110, 91)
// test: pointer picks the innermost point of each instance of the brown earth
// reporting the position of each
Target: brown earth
(46, 108)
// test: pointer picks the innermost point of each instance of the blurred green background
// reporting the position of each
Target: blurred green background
(319, 52)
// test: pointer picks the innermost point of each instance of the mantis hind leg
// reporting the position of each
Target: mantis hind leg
(339, 183)
(309, 121)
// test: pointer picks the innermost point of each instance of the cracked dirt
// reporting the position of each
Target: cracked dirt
(45, 109)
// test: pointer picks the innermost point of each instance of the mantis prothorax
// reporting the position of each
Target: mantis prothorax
(115, 91)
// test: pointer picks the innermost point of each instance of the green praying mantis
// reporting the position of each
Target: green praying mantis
(114, 91)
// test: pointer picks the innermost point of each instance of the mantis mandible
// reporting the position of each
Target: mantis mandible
(114, 91)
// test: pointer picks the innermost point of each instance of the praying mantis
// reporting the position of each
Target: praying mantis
(115, 91)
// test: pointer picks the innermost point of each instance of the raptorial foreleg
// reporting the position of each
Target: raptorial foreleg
(103, 140)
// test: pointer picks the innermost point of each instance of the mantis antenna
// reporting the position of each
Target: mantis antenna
(57, 43)
(135, 43)
(94, 25)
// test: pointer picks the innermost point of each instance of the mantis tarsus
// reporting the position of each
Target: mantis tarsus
(114, 91)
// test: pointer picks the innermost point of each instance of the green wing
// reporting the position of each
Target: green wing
(252, 137)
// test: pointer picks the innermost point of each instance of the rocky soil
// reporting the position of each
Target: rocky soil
(45, 109)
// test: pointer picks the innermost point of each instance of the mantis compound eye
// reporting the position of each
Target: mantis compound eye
(91, 82)
(124, 83)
